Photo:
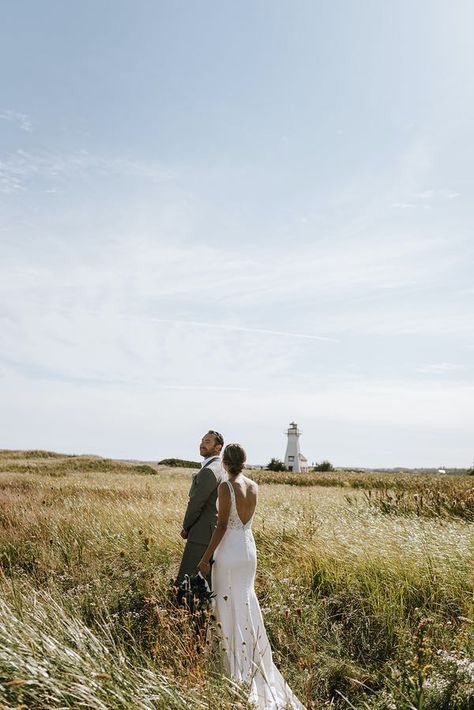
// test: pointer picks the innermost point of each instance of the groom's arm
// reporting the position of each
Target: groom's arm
(203, 485)
(220, 529)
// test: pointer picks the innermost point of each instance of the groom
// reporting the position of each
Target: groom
(201, 514)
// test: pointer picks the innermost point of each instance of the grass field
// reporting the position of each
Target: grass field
(365, 581)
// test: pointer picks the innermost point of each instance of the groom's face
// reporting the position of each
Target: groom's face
(209, 446)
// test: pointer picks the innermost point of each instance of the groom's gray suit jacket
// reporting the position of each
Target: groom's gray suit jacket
(201, 514)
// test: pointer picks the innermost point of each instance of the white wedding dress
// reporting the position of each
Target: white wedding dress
(247, 652)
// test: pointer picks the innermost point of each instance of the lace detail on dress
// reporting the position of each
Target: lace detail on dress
(234, 521)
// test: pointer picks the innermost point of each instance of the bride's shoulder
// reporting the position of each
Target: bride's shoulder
(251, 484)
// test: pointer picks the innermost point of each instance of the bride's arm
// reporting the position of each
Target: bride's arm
(223, 513)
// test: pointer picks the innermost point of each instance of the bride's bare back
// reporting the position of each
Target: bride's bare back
(246, 495)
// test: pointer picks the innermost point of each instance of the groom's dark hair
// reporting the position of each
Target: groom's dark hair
(218, 437)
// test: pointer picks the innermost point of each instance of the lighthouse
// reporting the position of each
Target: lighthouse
(294, 459)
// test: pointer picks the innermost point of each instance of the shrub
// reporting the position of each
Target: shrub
(179, 463)
(324, 466)
(276, 465)
(144, 469)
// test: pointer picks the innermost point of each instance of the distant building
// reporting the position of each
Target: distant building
(294, 459)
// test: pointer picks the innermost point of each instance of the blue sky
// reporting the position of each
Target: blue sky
(232, 215)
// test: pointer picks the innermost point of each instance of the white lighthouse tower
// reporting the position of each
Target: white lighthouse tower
(294, 459)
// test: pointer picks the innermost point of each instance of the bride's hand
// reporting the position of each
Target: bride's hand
(204, 568)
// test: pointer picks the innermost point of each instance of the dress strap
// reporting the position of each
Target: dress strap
(232, 492)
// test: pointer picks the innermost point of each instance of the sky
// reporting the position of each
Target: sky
(221, 215)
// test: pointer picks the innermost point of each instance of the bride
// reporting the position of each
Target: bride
(248, 655)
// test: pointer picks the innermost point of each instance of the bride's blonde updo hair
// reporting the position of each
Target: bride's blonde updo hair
(234, 458)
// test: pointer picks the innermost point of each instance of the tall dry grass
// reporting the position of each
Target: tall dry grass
(365, 607)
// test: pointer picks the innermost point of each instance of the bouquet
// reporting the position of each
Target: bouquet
(195, 594)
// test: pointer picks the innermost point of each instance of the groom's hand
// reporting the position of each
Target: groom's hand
(184, 534)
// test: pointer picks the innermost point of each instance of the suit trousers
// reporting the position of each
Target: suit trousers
(191, 556)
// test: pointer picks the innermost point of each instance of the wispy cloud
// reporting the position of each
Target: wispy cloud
(10, 181)
(21, 170)
(424, 195)
(403, 205)
(314, 293)
(425, 199)
(405, 320)
(439, 368)
(22, 119)
(439, 195)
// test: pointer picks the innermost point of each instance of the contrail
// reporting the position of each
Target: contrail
(220, 326)
(242, 329)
